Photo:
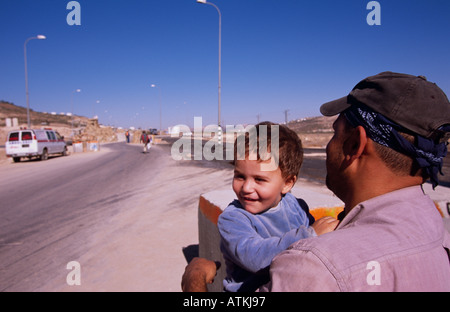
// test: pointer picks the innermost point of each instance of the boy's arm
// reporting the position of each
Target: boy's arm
(249, 249)
(325, 225)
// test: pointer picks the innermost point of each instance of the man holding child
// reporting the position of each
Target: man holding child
(390, 138)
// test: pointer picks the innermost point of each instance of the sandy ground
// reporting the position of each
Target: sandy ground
(141, 248)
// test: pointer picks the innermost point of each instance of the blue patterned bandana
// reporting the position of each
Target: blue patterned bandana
(427, 153)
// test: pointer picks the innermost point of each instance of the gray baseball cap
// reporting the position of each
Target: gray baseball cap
(410, 101)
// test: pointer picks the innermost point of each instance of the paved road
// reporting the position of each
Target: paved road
(123, 215)
(49, 208)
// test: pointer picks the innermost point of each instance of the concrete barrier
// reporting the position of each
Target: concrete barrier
(321, 202)
(210, 207)
(93, 146)
(77, 147)
(81, 147)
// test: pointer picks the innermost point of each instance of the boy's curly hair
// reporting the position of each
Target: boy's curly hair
(290, 151)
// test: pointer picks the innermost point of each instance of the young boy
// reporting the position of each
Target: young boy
(265, 219)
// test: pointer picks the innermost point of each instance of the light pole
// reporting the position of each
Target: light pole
(160, 127)
(40, 37)
(220, 55)
(93, 110)
(71, 104)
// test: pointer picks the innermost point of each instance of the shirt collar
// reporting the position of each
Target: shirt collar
(380, 203)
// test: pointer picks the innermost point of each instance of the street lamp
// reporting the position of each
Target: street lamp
(40, 37)
(71, 104)
(220, 54)
(160, 127)
(93, 110)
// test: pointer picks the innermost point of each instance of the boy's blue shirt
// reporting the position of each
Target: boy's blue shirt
(249, 241)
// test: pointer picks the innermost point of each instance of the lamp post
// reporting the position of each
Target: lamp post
(220, 56)
(71, 104)
(40, 37)
(160, 127)
(93, 110)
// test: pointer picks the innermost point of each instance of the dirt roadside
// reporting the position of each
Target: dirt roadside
(141, 248)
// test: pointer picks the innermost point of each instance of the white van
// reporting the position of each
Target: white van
(34, 143)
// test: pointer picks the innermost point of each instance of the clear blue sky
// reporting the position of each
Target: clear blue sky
(276, 56)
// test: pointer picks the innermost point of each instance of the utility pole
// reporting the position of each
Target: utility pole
(286, 116)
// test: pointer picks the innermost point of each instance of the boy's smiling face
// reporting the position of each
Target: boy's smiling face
(259, 190)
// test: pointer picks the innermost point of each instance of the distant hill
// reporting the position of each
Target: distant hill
(84, 129)
(315, 132)
(313, 125)
(38, 119)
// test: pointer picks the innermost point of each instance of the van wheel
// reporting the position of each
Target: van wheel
(44, 155)
(16, 159)
(64, 153)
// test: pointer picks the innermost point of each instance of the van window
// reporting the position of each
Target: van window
(27, 136)
(41, 135)
(13, 136)
(51, 136)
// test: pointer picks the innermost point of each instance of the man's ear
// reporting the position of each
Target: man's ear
(289, 184)
(355, 144)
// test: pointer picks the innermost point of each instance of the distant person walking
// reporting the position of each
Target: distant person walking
(145, 138)
(127, 135)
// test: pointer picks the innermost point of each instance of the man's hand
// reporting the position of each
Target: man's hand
(197, 274)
